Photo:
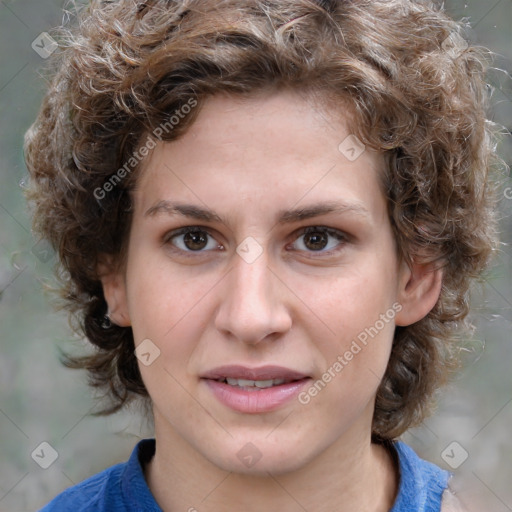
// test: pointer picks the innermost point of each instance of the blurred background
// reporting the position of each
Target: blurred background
(41, 402)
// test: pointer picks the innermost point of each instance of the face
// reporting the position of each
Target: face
(261, 250)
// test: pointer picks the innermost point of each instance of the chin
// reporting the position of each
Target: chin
(259, 458)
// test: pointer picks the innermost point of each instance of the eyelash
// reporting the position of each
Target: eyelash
(334, 233)
(342, 237)
(168, 237)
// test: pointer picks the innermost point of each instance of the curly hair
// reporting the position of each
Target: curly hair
(417, 91)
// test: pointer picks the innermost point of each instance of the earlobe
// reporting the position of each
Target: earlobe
(419, 290)
(114, 290)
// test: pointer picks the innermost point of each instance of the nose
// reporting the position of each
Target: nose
(253, 307)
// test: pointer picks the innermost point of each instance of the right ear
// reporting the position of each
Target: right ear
(114, 290)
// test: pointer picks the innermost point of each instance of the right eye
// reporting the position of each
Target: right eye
(192, 239)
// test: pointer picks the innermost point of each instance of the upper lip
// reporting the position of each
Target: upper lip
(244, 372)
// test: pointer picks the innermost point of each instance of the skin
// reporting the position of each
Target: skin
(247, 160)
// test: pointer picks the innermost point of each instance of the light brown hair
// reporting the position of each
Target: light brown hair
(417, 93)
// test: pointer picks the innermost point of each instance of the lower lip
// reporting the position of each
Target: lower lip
(261, 400)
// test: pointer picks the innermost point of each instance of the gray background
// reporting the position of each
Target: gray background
(40, 401)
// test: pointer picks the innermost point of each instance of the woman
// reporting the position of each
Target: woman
(270, 212)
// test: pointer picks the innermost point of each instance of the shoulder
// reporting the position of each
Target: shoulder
(91, 494)
(451, 503)
(120, 488)
(415, 469)
(422, 484)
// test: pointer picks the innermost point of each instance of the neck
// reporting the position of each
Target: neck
(352, 474)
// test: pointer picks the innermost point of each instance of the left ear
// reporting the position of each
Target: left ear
(419, 289)
(114, 291)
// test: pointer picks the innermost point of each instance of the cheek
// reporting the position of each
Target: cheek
(355, 313)
(348, 303)
(353, 359)
(167, 310)
(170, 307)
(159, 307)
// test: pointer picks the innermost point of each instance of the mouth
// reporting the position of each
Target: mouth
(262, 377)
(255, 385)
(254, 390)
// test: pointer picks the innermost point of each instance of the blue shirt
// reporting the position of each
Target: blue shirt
(122, 488)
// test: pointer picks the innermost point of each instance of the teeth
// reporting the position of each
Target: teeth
(243, 383)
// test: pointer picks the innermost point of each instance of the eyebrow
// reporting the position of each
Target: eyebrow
(187, 210)
(284, 216)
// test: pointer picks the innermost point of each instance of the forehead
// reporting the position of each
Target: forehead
(268, 150)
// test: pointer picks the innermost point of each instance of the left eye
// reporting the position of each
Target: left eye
(318, 239)
(193, 240)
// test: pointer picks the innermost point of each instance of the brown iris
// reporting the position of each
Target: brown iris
(315, 240)
(195, 240)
